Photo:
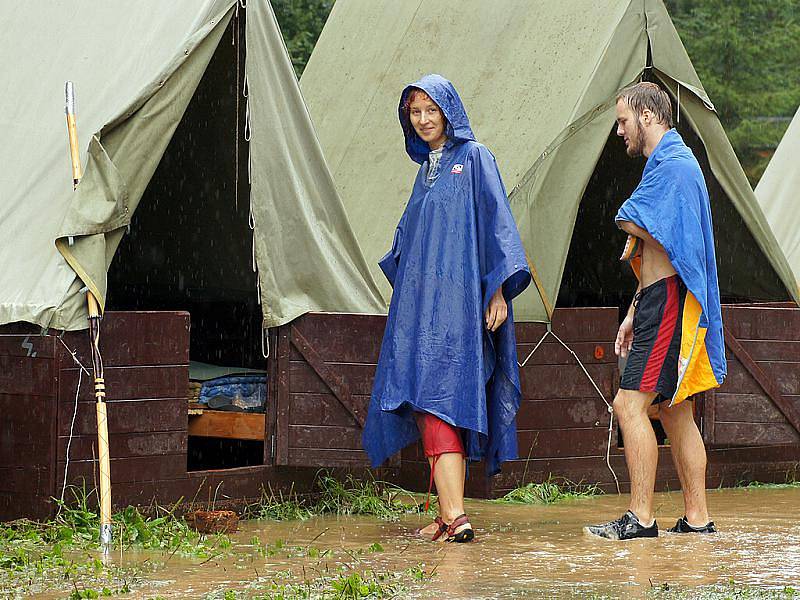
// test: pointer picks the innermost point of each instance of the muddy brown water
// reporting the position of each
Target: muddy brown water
(520, 551)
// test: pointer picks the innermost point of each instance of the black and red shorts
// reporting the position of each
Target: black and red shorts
(653, 360)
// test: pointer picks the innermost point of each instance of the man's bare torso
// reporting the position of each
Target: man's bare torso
(655, 262)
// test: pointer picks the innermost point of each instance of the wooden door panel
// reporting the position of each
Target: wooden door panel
(325, 366)
(759, 402)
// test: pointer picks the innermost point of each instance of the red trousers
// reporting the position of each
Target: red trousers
(438, 437)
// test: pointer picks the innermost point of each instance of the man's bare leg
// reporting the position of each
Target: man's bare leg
(689, 455)
(641, 449)
(449, 475)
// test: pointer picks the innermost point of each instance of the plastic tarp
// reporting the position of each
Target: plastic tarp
(778, 192)
(539, 81)
(135, 67)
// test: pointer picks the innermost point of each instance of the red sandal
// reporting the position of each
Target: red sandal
(439, 532)
(463, 536)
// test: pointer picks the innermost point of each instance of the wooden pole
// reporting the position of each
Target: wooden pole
(94, 343)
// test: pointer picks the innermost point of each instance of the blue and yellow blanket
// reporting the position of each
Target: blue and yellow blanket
(671, 203)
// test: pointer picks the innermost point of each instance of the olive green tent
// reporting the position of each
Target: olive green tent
(539, 80)
(778, 192)
(135, 66)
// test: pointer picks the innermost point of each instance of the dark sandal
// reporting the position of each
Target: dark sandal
(463, 536)
(443, 528)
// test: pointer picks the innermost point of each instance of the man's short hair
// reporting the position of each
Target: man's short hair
(647, 95)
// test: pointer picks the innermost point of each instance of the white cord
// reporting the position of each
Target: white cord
(535, 348)
(550, 331)
(81, 370)
(264, 330)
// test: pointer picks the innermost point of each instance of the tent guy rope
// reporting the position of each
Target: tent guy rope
(549, 332)
(81, 371)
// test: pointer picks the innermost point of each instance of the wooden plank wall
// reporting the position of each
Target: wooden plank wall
(28, 380)
(146, 360)
(562, 425)
(743, 414)
(322, 432)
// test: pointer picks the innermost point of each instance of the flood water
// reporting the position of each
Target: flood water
(520, 551)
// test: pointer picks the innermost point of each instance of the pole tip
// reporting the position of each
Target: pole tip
(105, 536)
(69, 92)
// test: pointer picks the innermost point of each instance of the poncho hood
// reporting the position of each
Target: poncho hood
(446, 97)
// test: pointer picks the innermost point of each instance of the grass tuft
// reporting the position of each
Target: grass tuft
(278, 508)
(36, 556)
(350, 496)
(760, 485)
(356, 497)
(727, 591)
(342, 584)
(549, 492)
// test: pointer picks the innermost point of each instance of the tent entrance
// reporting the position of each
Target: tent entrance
(593, 274)
(190, 246)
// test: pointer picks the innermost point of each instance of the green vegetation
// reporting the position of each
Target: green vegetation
(301, 22)
(79, 594)
(36, 556)
(759, 485)
(729, 591)
(276, 507)
(355, 497)
(39, 556)
(549, 492)
(745, 52)
(343, 584)
(349, 497)
(791, 480)
(78, 524)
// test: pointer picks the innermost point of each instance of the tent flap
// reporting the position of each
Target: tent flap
(308, 257)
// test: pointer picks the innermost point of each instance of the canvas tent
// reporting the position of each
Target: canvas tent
(135, 67)
(539, 82)
(778, 192)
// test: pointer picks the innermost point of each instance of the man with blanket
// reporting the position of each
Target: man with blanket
(672, 334)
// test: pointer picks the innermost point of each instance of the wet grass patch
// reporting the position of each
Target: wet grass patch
(729, 591)
(341, 584)
(791, 480)
(549, 492)
(63, 554)
(333, 496)
(772, 486)
(65, 551)
(356, 497)
(277, 507)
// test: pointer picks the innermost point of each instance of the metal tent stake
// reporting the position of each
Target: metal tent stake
(94, 345)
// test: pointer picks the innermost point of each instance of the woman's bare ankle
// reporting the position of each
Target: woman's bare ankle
(452, 515)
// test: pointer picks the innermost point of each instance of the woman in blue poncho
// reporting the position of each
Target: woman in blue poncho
(448, 366)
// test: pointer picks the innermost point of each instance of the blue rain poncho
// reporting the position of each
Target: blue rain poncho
(671, 203)
(455, 245)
